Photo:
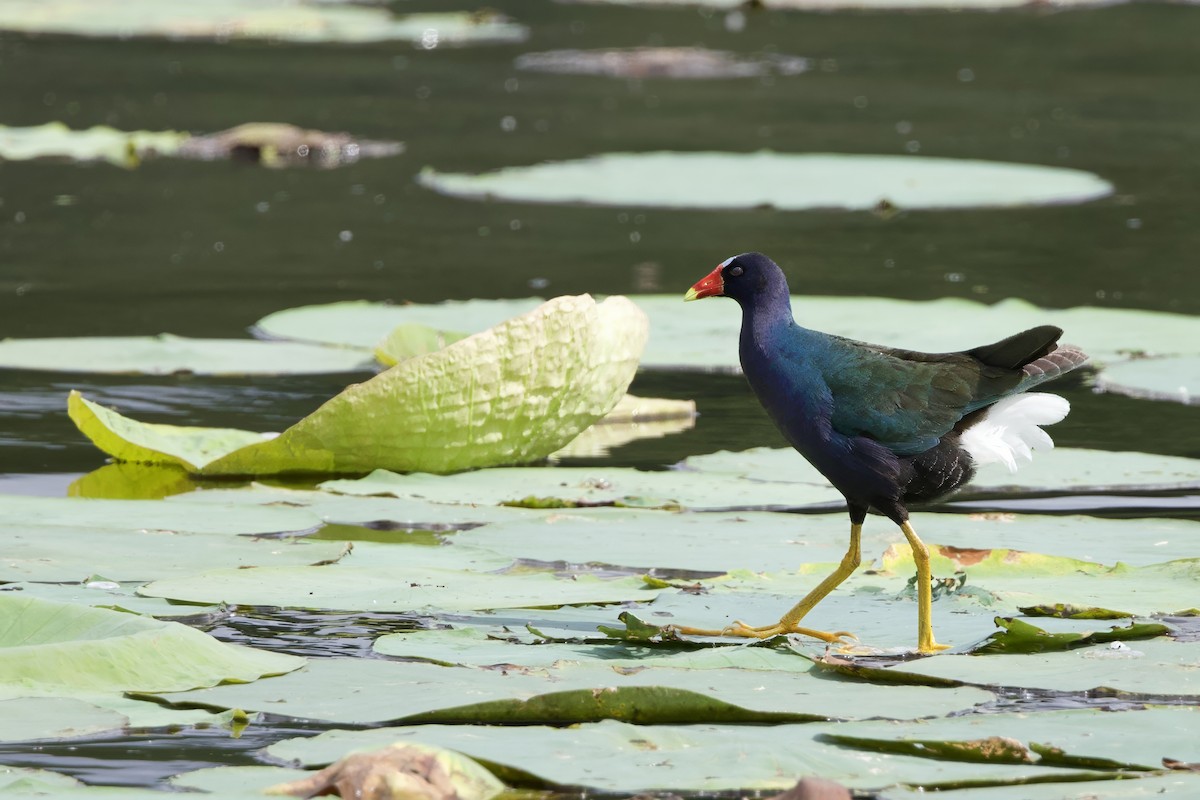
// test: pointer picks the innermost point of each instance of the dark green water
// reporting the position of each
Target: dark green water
(1112, 91)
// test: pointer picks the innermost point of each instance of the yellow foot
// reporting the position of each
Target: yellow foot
(932, 647)
(740, 628)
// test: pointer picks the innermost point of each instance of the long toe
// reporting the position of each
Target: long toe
(740, 628)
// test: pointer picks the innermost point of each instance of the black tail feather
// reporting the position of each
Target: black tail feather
(1019, 349)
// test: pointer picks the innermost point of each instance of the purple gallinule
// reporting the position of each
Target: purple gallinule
(886, 427)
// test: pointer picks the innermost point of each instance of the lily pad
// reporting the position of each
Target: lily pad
(703, 336)
(1155, 667)
(280, 20)
(28, 718)
(1176, 379)
(606, 686)
(268, 143)
(660, 62)
(48, 645)
(785, 181)
(174, 355)
(514, 393)
(1063, 470)
(99, 143)
(621, 758)
(569, 487)
(415, 589)
(222, 515)
(62, 555)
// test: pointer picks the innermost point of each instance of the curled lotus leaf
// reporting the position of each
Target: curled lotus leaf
(511, 394)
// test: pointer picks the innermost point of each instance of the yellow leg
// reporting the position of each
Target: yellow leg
(788, 623)
(925, 641)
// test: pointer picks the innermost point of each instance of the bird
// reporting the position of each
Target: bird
(887, 427)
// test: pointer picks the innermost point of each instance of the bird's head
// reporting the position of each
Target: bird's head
(741, 277)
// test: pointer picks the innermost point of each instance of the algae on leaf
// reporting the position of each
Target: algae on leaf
(511, 394)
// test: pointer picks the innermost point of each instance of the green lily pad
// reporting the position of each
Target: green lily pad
(28, 718)
(43, 714)
(1176, 379)
(621, 758)
(1162, 667)
(703, 336)
(411, 339)
(284, 20)
(68, 555)
(1062, 470)
(17, 779)
(785, 181)
(635, 687)
(514, 393)
(416, 589)
(110, 595)
(222, 515)
(48, 645)
(1175, 785)
(172, 355)
(569, 487)
(269, 144)
(99, 143)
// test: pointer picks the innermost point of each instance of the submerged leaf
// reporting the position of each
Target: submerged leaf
(1067, 611)
(1018, 636)
(514, 393)
(281, 20)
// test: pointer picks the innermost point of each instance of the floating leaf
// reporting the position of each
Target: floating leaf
(412, 339)
(28, 718)
(1061, 470)
(1176, 379)
(614, 683)
(173, 355)
(514, 393)
(626, 759)
(570, 487)
(703, 336)
(266, 143)
(786, 181)
(49, 645)
(283, 20)
(99, 143)
(660, 62)
(414, 589)
(69, 554)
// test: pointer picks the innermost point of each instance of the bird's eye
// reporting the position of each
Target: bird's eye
(736, 272)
